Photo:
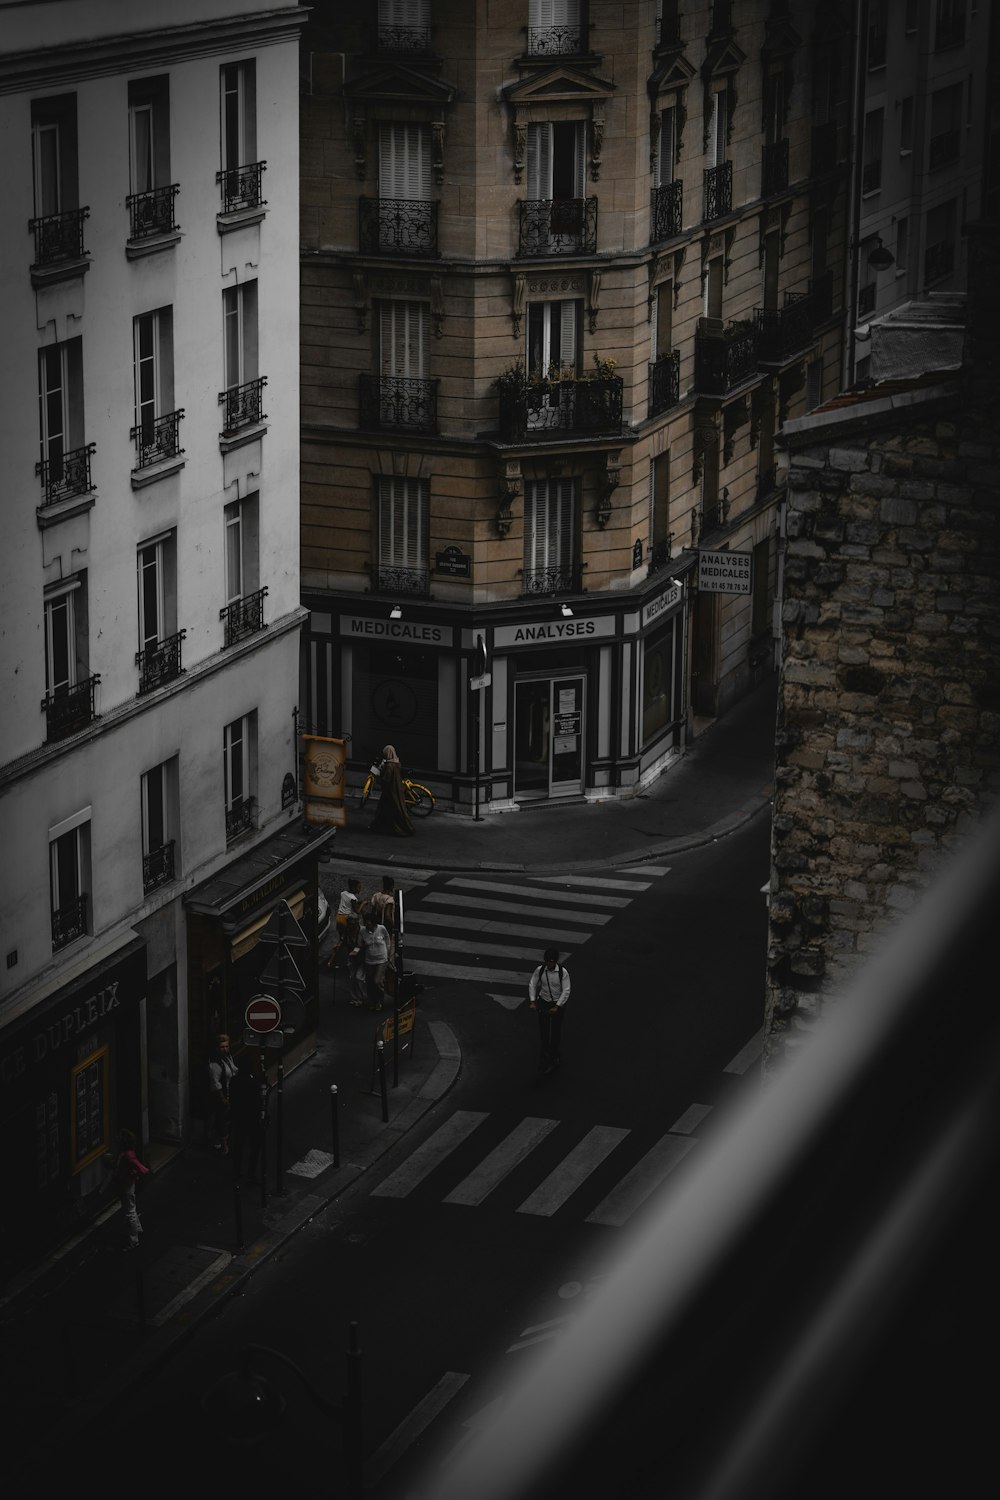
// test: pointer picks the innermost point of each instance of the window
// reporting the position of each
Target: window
(554, 26)
(664, 372)
(404, 162)
(718, 171)
(939, 254)
(69, 878)
(876, 33)
(556, 160)
(405, 395)
(58, 219)
(243, 612)
(239, 757)
(64, 463)
(404, 25)
(949, 24)
(814, 384)
(159, 653)
(550, 536)
(403, 524)
(717, 123)
(769, 290)
(906, 125)
(902, 243)
(762, 590)
(243, 385)
(714, 278)
(156, 422)
(668, 146)
(552, 340)
(867, 294)
(765, 442)
(403, 218)
(159, 799)
(910, 16)
(69, 686)
(241, 171)
(668, 202)
(946, 126)
(151, 194)
(871, 171)
(659, 512)
(820, 227)
(664, 331)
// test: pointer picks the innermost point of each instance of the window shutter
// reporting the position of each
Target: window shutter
(539, 161)
(668, 147)
(402, 528)
(549, 525)
(403, 339)
(404, 163)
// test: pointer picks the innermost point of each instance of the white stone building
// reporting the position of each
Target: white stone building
(150, 570)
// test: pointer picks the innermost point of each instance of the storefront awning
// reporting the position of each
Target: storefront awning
(254, 880)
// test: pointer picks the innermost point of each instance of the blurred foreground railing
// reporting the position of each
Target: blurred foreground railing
(806, 1314)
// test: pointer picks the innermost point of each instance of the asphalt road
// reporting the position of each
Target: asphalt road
(468, 1249)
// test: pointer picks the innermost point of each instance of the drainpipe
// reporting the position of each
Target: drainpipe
(857, 167)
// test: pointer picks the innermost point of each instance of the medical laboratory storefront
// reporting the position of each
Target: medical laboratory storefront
(587, 704)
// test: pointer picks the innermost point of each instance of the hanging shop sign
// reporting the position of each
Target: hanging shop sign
(725, 572)
(323, 779)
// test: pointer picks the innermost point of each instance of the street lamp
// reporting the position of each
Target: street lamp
(248, 1408)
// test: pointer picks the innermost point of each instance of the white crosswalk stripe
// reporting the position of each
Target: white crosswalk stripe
(510, 1159)
(506, 925)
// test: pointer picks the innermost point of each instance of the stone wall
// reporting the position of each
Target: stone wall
(888, 747)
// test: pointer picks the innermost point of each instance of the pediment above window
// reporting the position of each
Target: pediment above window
(780, 39)
(558, 85)
(394, 84)
(722, 59)
(672, 74)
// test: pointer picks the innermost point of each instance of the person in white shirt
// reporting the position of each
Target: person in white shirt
(548, 991)
(374, 942)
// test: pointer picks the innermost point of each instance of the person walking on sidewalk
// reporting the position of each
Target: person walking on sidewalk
(548, 991)
(129, 1171)
(221, 1072)
(391, 815)
(347, 919)
(383, 904)
(374, 944)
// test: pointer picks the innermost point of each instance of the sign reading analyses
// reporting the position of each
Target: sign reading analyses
(725, 572)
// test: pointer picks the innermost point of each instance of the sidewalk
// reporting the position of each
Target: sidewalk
(91, 1322)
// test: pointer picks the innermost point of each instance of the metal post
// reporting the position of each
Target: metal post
(380, 1064)
(335, 1124)
(237, 1203)
(279, 1185)
(475, 720)
(398, 960)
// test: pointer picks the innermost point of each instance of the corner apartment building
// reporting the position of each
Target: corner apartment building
(150, 574)
(920, 107)
(567, 267)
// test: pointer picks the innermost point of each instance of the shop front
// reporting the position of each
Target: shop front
(70, 1079)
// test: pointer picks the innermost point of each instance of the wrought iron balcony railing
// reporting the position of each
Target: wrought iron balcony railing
(871, 176)
(59, 237)
(664, 382)
(774, 168)
(69, 921)
(243, 405)
(68, 709)
(244, 616)
(152, 212)
(389, 579)
(718, 191)
(666, 211)
(555, 407)
(398, 226)
(557, 226)
(240, 818)
(659, 556)
(784, 330)
(939, 260)
(158, 867)
(397, 403)
(722, 361)
(824, 147)
(157, 439)
(560, 579)
(160, 663)
(66, 474)
(241, 187)
(409, 40)
(552, 41)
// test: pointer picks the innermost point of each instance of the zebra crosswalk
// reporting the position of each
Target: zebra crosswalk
(491, 931)
(509, 1161)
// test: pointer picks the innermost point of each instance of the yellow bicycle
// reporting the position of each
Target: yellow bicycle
(419, 799)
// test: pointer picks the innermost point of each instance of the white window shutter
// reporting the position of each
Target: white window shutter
(539, 161)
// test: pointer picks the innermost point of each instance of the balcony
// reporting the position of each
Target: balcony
(557, 226)
(398, 226)
(566, 40)
(554, 408)
(58, 238)
(666, 211)
(69, 922)
(664, 382)
(158, 867)
(413, 583)
(69, 708)
(784, 330)
(824, 148)
(157, 440)
(244, 616)
(152, 212)
(243, 405)
(66, 474)
(241, 187)
(774, 168)
(659, 555)
(396, 403)
(160, 663)
(395, 40)
(723, 360)
(240, 818)
(564, 579)
(718, 191)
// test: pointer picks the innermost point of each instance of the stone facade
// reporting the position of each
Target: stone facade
(888, 747)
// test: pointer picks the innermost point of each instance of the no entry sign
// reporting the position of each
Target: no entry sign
(263, 1013)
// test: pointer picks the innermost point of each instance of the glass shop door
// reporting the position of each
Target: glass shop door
(548, 737)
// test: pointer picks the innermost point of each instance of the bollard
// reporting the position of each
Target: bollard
(380, 1059)
(335, 1124)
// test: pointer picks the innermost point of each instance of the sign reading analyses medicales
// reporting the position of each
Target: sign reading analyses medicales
(725, 572)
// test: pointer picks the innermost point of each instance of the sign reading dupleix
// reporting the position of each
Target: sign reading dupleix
(725, 572)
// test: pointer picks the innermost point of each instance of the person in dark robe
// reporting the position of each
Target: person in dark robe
(391, 815)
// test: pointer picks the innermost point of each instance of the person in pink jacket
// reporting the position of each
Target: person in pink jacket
(128, 1171)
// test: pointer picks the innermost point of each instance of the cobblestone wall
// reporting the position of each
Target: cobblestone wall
(889, 710)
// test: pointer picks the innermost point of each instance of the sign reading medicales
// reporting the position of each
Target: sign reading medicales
(725, 572)
(406, 632)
